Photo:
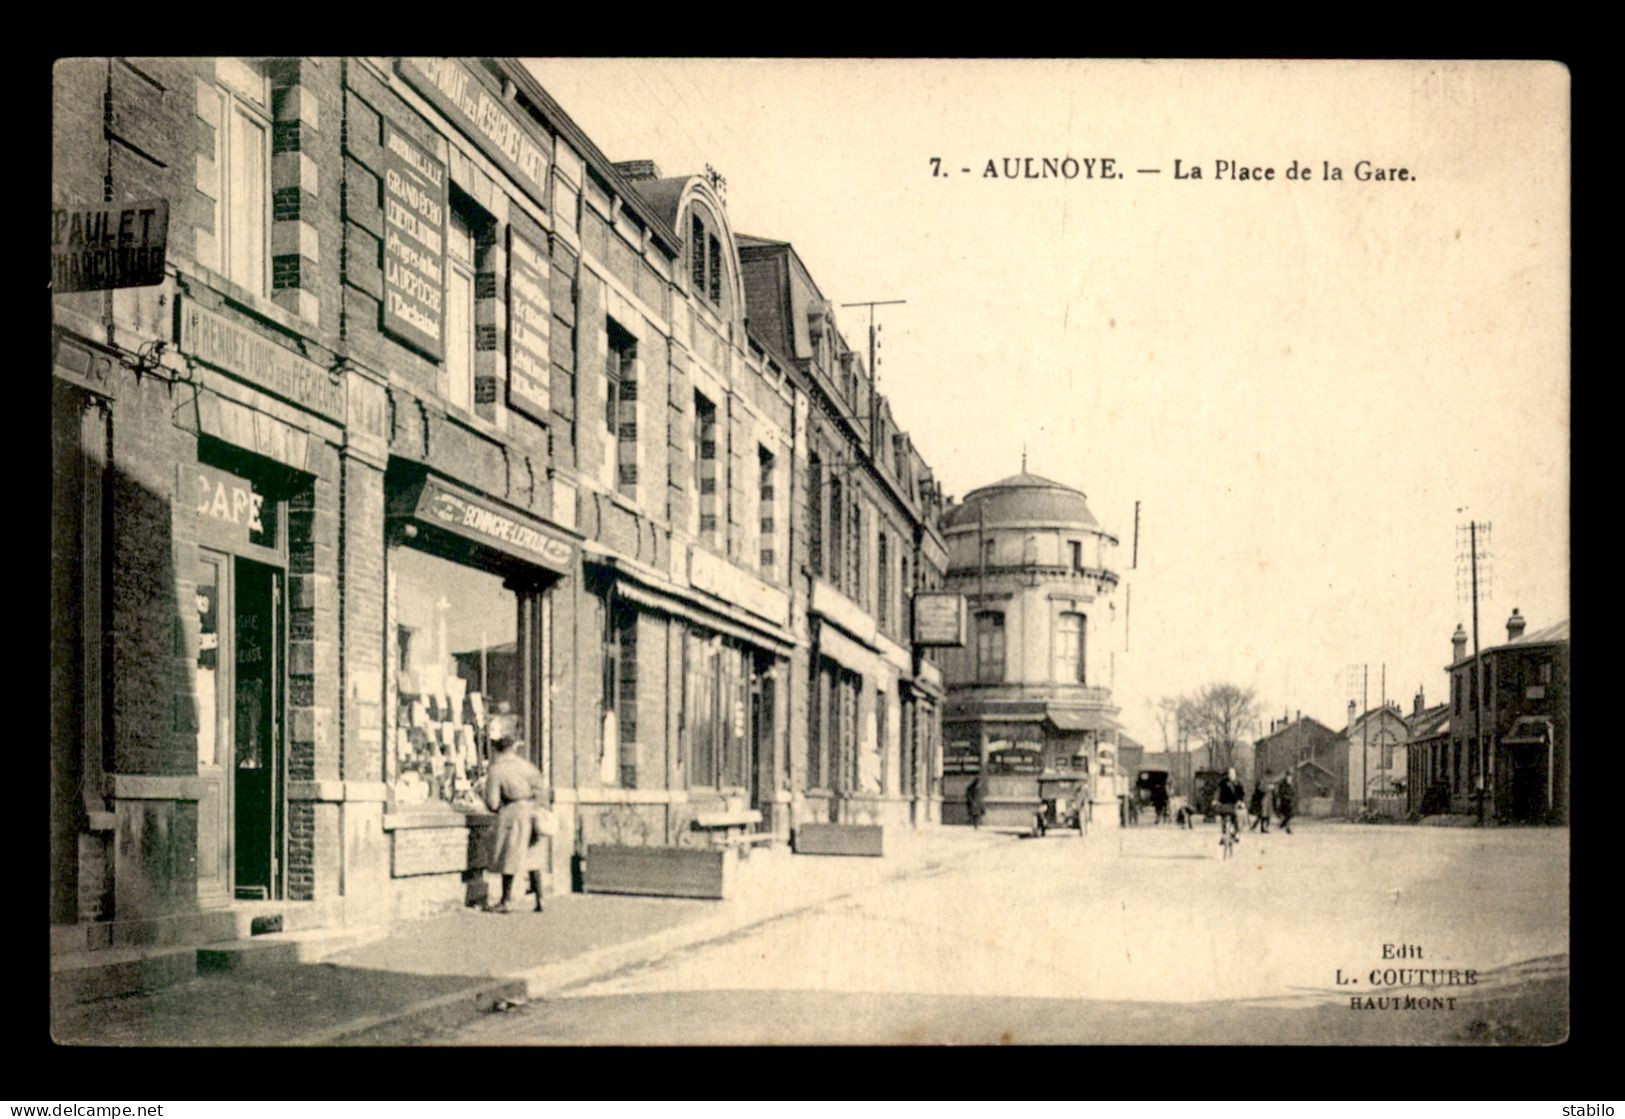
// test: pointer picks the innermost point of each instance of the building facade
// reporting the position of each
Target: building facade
(1035, 567)
(1373, 744)
(1507, 742)
(867, 537)
(439, 426)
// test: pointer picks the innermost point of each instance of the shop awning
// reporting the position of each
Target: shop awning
(1075, 719)
(1529, 729)
(731, 623)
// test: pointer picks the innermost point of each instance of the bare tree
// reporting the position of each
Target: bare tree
(1221, 714)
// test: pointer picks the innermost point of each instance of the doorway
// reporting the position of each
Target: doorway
(239, 686)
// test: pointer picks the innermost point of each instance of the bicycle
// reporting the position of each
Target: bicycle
(1227, 838)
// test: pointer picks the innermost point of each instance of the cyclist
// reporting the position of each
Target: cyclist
(1230, 797)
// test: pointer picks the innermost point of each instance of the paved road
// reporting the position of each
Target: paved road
(1113, 938)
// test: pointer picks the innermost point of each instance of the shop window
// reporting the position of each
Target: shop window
(706, 467)
(990, 646)
(716, 705)
(458, 682)
(238, 110)
(767, 552)
(458, 374)
(620, 694)
(1071, 630)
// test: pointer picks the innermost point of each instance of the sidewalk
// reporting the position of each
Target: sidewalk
(442, 971)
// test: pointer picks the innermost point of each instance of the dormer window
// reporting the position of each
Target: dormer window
(704, 260)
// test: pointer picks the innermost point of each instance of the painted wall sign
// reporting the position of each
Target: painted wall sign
(455, 91)
(530, 376)
(485, 524)
(415, 207)
(216, 340)
(939, 618)
(116, 245)
(227, 506)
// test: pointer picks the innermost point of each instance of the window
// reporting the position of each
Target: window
(883, 583)
(987, 553)
(705, 466)
(815, 512)
(621, 404)
(459, 368)
(855, 549)
(1455, 692)
(238, 110)
(704, 260)
(1070, 633)
(837, 554)
(767, 552)
(1076, 548)
(459, 682)
(990, 646)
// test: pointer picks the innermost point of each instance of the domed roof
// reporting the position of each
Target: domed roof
(1023, 499)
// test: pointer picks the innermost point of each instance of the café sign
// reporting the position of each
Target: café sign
(455, 91)
(939, 618)
(216, 340)
(227, 506)
(485, 524)
(112, 245)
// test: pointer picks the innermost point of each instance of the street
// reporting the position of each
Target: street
(1127, 936)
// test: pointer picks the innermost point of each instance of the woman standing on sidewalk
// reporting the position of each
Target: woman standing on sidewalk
(512, 785)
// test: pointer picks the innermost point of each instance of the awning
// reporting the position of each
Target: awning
(1529, 729)
(837, 646)
(484, 522)
(740, 626)
(1079, 719)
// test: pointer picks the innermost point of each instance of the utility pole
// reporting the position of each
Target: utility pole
(1478, 549)
(874, 343)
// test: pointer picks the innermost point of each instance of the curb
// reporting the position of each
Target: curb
(459, 1007)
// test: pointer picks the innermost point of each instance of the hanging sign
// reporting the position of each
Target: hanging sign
(415, 205)
(939, 618)
(113, 245)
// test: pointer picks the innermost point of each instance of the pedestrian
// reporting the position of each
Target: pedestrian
(973, 801)
(1159, 801)
(1230, 798)
(1285, 801)
(1262, 805)
(512, 789)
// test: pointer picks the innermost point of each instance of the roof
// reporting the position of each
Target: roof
(662, 195)
(1303, 725)
(1023, 499)
(1430, 723)
(1555, 634)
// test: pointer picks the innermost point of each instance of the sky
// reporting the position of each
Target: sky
(1306, 385)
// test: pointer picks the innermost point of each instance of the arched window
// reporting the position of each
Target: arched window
(1070, 631)
(990, 646)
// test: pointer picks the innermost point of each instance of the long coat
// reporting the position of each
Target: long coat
(511, 787)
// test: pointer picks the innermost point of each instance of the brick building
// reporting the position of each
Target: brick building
(1507, 735)
(439, 426)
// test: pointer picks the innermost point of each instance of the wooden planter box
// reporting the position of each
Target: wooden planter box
(840, 839)
(667, 872)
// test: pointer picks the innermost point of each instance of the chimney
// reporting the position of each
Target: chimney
(1420, 702)
(639, 169)
(1515, 625)
(1458, 644)
(1300, 714)
(1351, 712)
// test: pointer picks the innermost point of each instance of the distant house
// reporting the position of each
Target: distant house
(1516, 750)
(1293, 742)
(1374, 745)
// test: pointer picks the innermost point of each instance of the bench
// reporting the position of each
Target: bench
(733, 829)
